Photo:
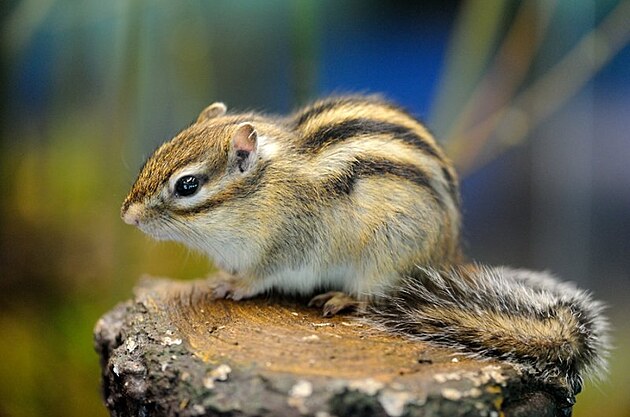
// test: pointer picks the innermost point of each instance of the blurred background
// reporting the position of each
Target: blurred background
(531, 99)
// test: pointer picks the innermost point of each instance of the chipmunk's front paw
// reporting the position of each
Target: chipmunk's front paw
(334, 302)
(231, 288)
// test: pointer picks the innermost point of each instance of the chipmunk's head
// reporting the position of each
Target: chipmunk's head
(190, 178)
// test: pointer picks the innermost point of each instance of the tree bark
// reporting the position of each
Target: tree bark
(173, 351)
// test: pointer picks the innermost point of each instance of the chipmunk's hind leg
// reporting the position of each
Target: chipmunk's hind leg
(334, 302)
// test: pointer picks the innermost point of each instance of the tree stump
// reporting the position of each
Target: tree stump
(173, 351)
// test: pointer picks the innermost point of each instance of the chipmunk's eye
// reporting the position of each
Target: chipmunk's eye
(187, 185)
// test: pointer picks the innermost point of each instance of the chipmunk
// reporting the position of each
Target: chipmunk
(354, 196)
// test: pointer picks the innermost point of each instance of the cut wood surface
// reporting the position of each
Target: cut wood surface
(175, 351)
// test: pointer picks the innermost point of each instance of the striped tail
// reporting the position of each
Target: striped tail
(553, 331)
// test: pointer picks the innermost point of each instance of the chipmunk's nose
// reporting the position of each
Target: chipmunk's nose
(131, 214)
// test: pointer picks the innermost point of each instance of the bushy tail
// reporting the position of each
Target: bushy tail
(553, 331)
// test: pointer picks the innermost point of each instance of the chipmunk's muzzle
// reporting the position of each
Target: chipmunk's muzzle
(131, 214)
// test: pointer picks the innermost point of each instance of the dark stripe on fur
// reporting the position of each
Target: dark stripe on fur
(453, 188)
(316, 111)
(327, 105)
(339, 132)
(344, 182)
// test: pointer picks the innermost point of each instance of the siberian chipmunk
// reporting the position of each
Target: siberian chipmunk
(354, 196)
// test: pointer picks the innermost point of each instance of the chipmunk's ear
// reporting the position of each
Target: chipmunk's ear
(214, 110)
(243, 147)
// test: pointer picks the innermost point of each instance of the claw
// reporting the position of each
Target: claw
(220, 291)
(231, 288)
(333, 302)
(321, 299)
